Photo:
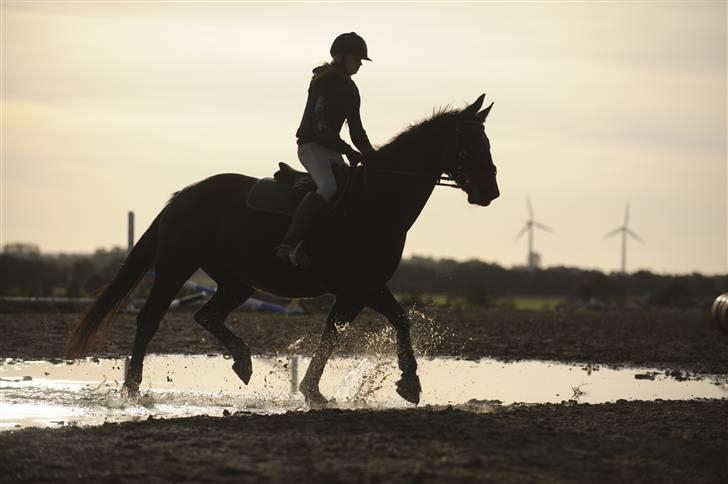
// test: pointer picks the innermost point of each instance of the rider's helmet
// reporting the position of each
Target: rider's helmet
(349, 43)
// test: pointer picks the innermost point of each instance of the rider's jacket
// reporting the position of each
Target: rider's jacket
(332, 98)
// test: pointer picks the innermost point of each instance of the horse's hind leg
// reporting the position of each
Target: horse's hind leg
(212, 317)
(342, 312)
(166, 284)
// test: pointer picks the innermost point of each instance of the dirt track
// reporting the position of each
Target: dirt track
(683, 339)
(622, 442)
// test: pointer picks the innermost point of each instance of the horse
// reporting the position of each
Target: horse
(208, 226)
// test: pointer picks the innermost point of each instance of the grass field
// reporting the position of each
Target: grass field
(443, 301)
(526, 303)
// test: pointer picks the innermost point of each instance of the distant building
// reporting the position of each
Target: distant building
(21, 249)
(534, 260)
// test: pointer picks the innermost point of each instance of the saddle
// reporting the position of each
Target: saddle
(282, 193)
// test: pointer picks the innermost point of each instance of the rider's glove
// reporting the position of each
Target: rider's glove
(354, 158)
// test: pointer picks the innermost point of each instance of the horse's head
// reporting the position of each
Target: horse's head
(472, 168)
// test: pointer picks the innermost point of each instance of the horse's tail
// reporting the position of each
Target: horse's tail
(91, 331)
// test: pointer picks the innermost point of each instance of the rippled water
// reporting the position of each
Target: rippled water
(87, 392)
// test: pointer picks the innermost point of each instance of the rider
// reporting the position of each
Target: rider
(332, 98)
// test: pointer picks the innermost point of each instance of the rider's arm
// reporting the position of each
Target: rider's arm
(356, 130)
(327, 109)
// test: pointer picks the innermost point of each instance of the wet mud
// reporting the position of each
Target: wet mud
(619, 442)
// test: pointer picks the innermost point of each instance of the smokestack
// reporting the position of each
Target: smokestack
(131, 231)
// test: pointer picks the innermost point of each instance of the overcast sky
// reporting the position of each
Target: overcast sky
(110, 107)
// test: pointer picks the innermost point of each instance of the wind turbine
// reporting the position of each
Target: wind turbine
(530, 224)
(625, 230)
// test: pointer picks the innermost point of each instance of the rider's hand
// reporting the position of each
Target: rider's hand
(354, 158)
(367, 155)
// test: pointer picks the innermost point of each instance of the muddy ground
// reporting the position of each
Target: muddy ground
(658, 441)
(668, 338)
(621, 442)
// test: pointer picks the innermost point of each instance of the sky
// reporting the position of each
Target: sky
(108, 107)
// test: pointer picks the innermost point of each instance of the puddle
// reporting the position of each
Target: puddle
(87, 392)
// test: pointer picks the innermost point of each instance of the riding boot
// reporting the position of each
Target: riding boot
(306, 215)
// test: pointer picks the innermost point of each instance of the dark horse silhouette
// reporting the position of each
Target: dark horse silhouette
(208, 225)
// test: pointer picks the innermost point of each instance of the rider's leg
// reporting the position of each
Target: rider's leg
(318, 160)
(308, 211)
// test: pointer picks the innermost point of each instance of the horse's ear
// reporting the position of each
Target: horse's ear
(473, 108)
(483, 114)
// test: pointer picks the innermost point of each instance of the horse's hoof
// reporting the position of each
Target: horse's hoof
(320, 404)
(409, 388)
(244, 369)
(314, 398)
(130, 390)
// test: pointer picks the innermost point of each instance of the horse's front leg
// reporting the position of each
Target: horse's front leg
(408, 386)
(343, 311)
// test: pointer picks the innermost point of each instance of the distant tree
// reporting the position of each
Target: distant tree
(81, 271)
(597, 286)
(674, 293)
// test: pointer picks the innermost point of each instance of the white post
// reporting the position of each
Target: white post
(293, 367)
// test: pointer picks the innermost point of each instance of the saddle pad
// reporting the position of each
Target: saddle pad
(268, 195)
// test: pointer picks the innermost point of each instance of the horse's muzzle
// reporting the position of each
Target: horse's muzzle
(482, 200)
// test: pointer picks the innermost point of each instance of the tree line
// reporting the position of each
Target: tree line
(481, 283)
(68, 275)
(477, 282)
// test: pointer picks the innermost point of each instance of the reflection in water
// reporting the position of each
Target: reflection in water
(40, 393)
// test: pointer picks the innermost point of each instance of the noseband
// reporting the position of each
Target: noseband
(456, 177)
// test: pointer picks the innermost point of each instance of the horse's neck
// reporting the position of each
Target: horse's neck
(412, 201)
(410, 180)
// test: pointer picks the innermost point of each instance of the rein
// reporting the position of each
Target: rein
(443, 180)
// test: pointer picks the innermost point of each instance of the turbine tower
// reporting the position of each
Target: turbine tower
(625, 230)
(532, 258)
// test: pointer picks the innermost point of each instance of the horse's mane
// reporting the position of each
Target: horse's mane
(419, 129)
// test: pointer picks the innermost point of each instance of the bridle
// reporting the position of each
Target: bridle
(454, 177)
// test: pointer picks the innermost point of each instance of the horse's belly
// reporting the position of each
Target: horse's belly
(270, 275)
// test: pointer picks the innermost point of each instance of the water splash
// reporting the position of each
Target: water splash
(429, 335)
(379, 343)
(362, 384)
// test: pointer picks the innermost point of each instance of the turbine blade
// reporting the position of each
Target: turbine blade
(613, 232)
(543, 227)
(523, 231)
(530, 208)
(626, 215)
(635, 236)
